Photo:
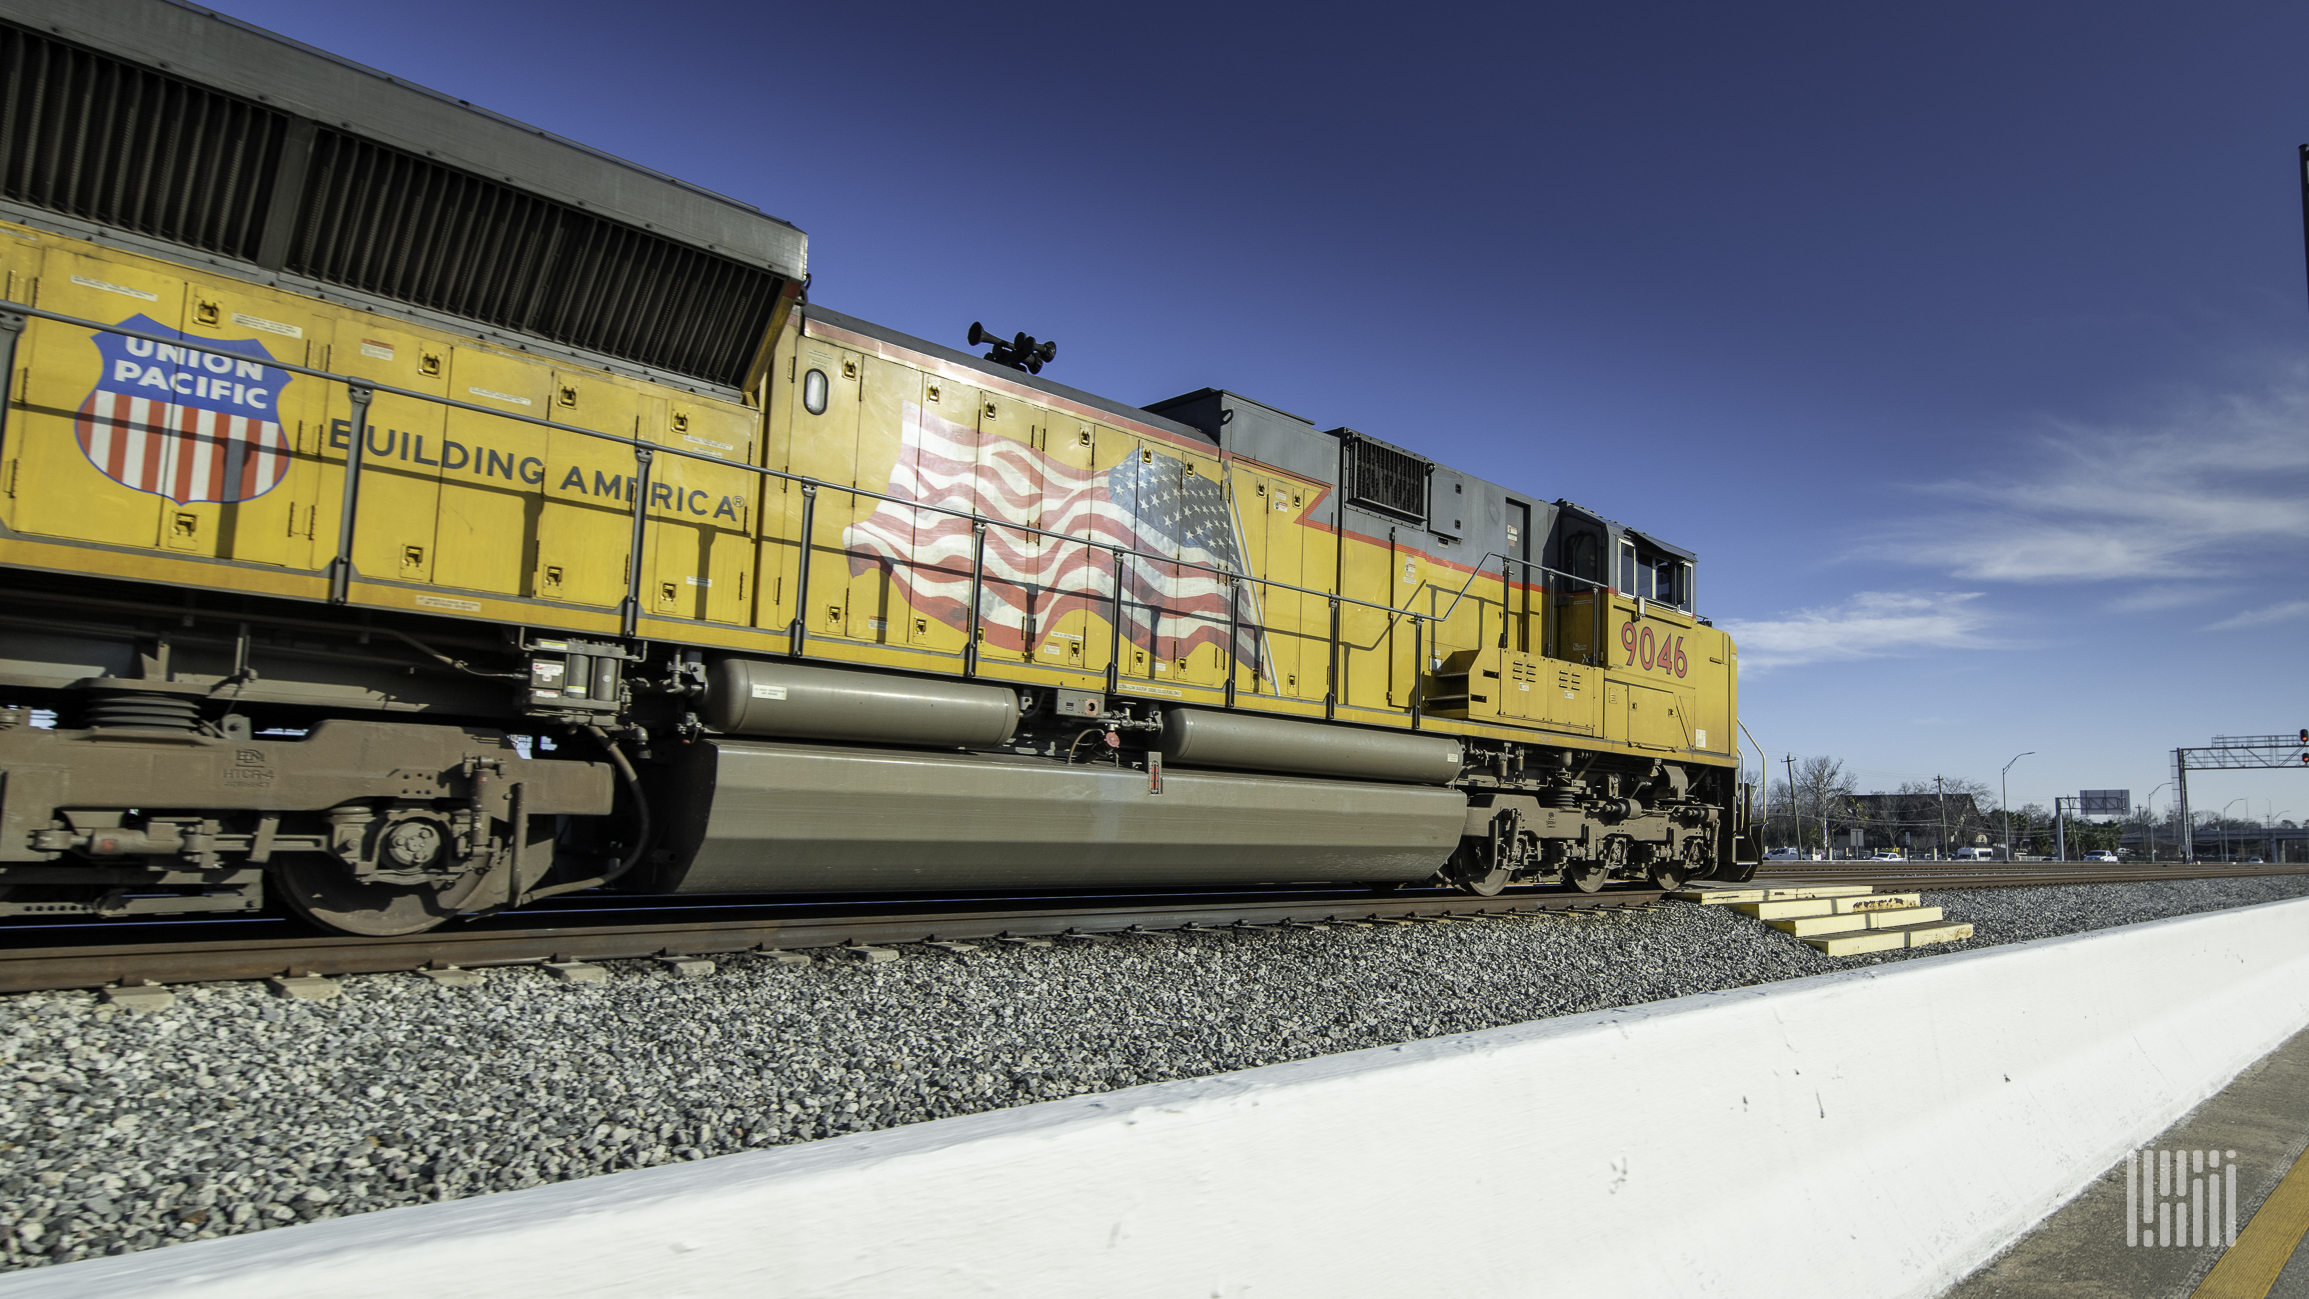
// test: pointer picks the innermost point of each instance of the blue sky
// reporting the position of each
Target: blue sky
(1968, 344)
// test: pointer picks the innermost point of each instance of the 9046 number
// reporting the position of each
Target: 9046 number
(1666, 653)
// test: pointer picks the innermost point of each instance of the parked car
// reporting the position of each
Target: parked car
(1886, 854)
(1976, 854)
(2102, 856)
(1792, 854)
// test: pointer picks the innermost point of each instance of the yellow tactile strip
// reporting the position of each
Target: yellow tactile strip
(2250, 1267)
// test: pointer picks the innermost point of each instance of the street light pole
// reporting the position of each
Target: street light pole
(2004, 796)
(2225, 826)
(2149, 827)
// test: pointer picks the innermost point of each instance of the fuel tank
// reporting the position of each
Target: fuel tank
(1194, 737)
(798, 701)
(763, 817)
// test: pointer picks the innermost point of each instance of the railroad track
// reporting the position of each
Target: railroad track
(1971, 875)
(612, 928)
(599, 935)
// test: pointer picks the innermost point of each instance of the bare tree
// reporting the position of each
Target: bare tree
(1949, 812)
(1820, 782)
(2032, 830)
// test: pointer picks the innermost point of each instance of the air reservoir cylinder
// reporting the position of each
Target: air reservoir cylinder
(795, 701)
(1194, 737)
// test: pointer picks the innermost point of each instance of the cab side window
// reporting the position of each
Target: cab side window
(1666, 588)
(1649, 574)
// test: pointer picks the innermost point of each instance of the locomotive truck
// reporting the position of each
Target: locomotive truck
(408, 514)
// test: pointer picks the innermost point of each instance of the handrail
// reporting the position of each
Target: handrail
(638, 445)
(362, 391)
(1478, 568)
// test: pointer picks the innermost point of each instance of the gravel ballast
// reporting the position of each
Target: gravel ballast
(234, 1110)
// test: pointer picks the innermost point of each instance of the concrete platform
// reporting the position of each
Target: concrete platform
(2082, 1250)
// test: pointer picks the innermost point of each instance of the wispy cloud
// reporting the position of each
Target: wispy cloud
(2169, 499)
(2290, 609)
(1871, 624)
(2173, 595)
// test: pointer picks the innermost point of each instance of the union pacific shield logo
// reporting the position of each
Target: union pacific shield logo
(187, 425)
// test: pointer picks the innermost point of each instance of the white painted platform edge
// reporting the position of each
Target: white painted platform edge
(1878, 1131)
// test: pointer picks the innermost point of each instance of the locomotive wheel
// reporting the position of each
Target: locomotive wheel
(1483, 886)
(322, 890)
(1587, 877)
(1670, 875)
(1470, 870)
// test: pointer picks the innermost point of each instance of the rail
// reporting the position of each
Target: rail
(599, 936)
(1425, 627)
(615, 930)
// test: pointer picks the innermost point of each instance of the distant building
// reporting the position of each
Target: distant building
(1912, 823)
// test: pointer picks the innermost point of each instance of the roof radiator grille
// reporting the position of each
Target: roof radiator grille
(92, 136)
(402, 227)
(113, 143)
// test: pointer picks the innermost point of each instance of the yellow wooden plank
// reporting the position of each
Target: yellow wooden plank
(1904, 918)
(1855, 944)
(1795, 892)
(1807, 926)
(1718, 897)
(1926, 935)
(1877, 902)
(1786, 910)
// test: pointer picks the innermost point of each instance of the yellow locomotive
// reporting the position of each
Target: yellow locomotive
(407, 514)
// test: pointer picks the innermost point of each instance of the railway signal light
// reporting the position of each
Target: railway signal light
(1021, 352)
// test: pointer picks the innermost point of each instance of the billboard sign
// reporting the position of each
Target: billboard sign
(2105, 802)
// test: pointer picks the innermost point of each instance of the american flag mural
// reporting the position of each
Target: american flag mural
(187, 425)
(1030, 582)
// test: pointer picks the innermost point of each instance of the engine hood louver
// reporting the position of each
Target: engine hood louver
(105, 140)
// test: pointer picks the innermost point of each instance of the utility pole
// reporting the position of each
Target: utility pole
(2188, 822)
(1941, 788)
(1795, 810)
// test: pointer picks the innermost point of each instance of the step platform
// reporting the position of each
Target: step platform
(1835, 919)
